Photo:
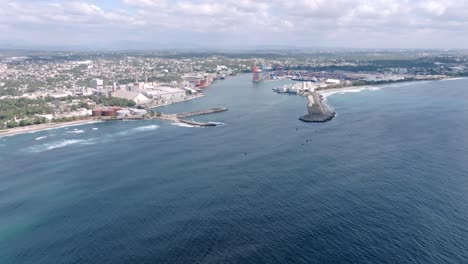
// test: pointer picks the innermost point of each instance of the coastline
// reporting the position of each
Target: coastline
(327, 113)
(327, 91)
(178, 101)
(323, 92)
(357, 88)
(42, 127)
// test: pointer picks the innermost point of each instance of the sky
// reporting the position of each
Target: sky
(234, 24)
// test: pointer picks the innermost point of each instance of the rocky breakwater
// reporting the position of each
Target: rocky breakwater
(319, 110)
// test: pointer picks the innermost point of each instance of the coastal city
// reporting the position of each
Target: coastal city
(233, 132)
(47, 87)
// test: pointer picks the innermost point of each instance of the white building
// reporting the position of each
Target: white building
(60, 95)
(85, 92)
(96, 83)
(137, 97)
(48, 116)
(333, 81)
(166, 93)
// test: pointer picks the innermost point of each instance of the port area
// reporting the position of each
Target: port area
(319, 110)
(179, 118)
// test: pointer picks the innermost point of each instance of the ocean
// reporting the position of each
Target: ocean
(386, 181)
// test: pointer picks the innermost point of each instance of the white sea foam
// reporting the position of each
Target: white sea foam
(454, 79)
(95, 128)
(374, 88)
(217, 123)
(182, 125)
(56, 145)
(89, 142)
(41, 138)
(137, 130)
(76, 131)
(65, 143)
(146, 128)
(350, 90)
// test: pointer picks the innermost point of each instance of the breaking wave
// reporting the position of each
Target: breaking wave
(138, 130)
(217, 123)
(182, 125)
(58, 144)
(90, 141)
(65, 143)
(350, 90)
(146, 128)
(76, 131)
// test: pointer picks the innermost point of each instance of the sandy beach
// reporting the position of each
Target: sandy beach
(372, 87)
(40, 127)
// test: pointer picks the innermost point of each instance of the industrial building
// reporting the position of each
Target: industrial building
(137, 97)
(166, 93)
(105, 111)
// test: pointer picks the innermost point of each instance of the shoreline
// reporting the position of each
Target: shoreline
(357, 88)
(317, 116)
(41, 127)
(179, 101)
(327, 91)
(323, 92)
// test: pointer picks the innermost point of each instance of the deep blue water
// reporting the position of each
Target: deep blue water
(384, 182)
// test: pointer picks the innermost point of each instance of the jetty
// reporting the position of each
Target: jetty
(202, 112)
(319, 110)
(180, 117)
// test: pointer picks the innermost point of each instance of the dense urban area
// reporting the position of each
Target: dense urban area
(50, 87)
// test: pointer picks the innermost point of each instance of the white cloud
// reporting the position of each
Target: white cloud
(324, 22)
(146, 3)
(434, 7)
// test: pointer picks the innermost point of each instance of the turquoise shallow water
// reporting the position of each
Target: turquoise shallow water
(384, 182)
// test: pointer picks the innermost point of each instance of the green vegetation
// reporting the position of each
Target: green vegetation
(112, 101)
(22, 109)
(66, 119)
(26, 122)
(24, 112)
(166, 78)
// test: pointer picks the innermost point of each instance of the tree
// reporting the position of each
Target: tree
(24, 122)
(12, 124)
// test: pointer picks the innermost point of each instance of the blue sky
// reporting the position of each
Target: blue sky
(120, 24)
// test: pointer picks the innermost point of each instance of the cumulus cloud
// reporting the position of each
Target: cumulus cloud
(345, 23)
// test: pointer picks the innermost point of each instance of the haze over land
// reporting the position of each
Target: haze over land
(239, 24)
